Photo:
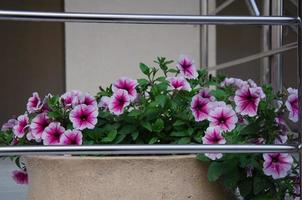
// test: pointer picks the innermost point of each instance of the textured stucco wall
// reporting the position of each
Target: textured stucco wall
(98, 54)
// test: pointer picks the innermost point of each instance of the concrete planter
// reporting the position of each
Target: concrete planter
(120, 178)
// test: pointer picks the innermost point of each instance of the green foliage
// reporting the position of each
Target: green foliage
(161, 115)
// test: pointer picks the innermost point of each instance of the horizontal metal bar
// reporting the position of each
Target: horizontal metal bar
(250, 58)
(143, 18)
(143, 149)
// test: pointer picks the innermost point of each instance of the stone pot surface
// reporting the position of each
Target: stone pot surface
(120, 178)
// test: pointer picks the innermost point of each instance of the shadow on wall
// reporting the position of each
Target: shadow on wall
(31, 57)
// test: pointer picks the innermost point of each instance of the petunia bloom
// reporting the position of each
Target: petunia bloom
(205, 93)
(247, 100)
(84, 98)
(126, 84)
(9, 125)
(69, 98)
(83, 116)
(236, 82)
(277, 165)
(52, 134)
(200, 108)
(34, 103)
(20, 177)
(71, 137)
(38, 125)
(292, 104)
(20, 128)
(213, 136)
(104, 102)
(187, 67)
(223, 117)
(119, 101)
(179, 83)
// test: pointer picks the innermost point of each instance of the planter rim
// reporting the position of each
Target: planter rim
(131, 157)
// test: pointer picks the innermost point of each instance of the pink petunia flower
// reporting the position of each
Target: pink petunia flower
(205, 93)
(119, 101)
(34, 103)
(86, 99)
(9, 125)
(29, 136)
(247, 100)
(21, 126)
(179, 83)
(69, 98)
(45, 108)
(83, 116)
(71, 137)
(280, 139)
(52, 134)
(236, 82)
(277, 165)
(20, 177)
(213, 136)
(223, 117)
(127, 84)
(200, 108)
(259, 140)
(104, 102)
(292, 104)
(187, 67)
(38, 124)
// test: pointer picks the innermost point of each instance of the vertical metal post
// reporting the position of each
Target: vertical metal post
(276, 42)
(208, 36)
(299, 61)
(265, 43)
(204, 35)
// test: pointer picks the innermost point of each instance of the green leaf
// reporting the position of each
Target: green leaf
(134, 113)
(153, 140)
(53, 115)
(245, 187)
(119, 139)
(214, 171)
(158, 126)
(184, 140)
(161, 100)
(172, 70)
(219, 94)
(127, 129)
(231, 178)
(135, 135)
(202, 158)
(260, 184)
(143, 82)
(110, 137)
(147, 126)
(179, 123)
(144, 68)
(179, 133)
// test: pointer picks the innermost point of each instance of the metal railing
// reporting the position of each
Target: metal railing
(158, 19)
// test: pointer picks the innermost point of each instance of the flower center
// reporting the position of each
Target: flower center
(186, 65)
(83, 117)
(275, 159)
(221, 120)
(121, 101)
(250, 98)
(57, 135)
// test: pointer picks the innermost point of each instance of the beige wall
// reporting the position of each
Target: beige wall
(31, 57)
(97, 54)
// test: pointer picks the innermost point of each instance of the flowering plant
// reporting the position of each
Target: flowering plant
(170, 105)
